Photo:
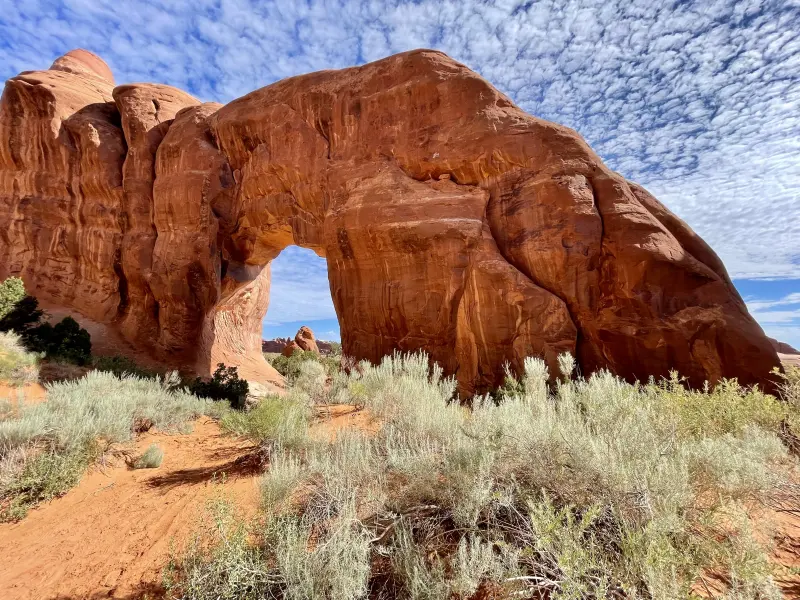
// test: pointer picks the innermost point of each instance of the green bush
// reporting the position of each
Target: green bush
(290, 366)
(727, 408)
(275, 421)
(223, 385)
(66, 341)
(12, 290)
(24, 315)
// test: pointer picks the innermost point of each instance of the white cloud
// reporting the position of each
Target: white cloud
(780, 318)
(699, 102)
(299, 289)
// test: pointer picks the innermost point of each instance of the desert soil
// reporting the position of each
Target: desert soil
(790, 360)
(112, 535)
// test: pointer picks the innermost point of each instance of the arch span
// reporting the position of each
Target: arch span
(451, 221)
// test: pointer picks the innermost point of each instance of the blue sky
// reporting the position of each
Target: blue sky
(698, 101)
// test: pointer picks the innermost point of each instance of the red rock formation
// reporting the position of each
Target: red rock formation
(451, 221)
(783, 347)
(306, 340)
(275, 346)
(278, 344)
(290, 348)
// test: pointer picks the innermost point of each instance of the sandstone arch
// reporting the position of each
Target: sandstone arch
(450, 219)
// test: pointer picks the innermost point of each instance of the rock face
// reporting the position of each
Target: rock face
(451, 221)
(783, 347)
(304, 340)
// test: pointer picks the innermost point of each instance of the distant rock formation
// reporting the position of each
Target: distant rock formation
(278, 344)
(782, 347)
(451, 221)
(275, 346)
(306, 340)
(303, 340)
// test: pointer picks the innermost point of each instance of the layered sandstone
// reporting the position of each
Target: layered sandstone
(451, 221)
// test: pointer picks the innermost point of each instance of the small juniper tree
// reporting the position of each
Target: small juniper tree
(225, 384)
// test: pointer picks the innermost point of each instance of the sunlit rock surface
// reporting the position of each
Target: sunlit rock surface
(451, 221)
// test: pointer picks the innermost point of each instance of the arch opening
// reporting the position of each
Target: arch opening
(300, 296)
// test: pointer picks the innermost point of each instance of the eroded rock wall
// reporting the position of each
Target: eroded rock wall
(451, 221)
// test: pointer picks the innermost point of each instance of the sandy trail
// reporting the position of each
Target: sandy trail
(30, 393)
(111, 536)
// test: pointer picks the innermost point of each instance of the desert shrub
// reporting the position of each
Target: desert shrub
(225, 384)
(100, 406)
(290, 366)
(220, 563)
(275, 421)
(311, 380)
(66, 341)
(47, 475)
(121, 366)
(336, 348)
(17, 365)
(12, 290)
(591, 488)
(7, 409)
(727, 408)
(790, 394)
(77, 415)
(150, 459)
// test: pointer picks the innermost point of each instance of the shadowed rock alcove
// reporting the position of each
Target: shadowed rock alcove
(451, 221)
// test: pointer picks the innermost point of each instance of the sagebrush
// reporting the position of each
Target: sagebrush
(44, 445)
(592, 489)
(18, 366)
(150, 458)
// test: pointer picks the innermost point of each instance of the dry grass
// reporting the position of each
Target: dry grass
(17, 365)
(150, 459)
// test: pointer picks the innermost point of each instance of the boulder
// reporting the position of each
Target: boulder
(290, 348)
(451, 221)
(306, 340)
